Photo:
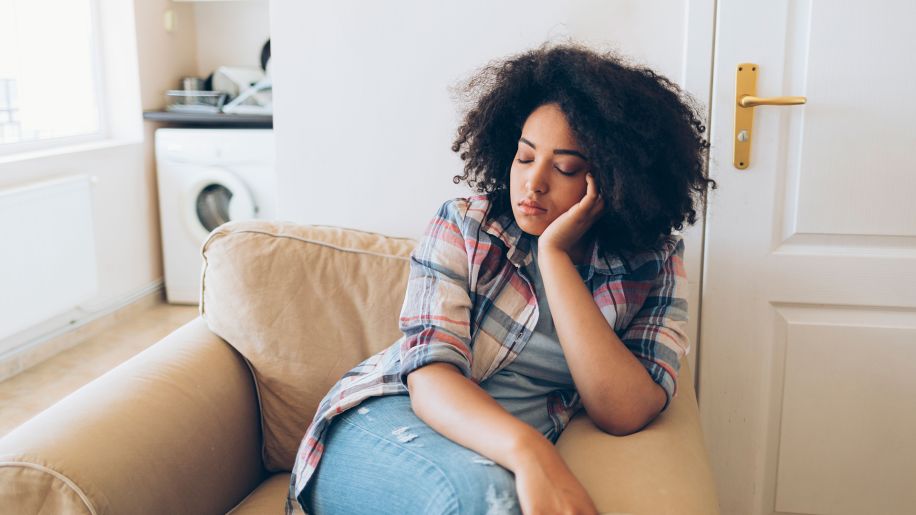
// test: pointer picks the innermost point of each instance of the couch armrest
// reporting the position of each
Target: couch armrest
(662, 469)
(174, 429)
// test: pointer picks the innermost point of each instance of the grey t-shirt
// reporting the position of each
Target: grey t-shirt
(522, 386)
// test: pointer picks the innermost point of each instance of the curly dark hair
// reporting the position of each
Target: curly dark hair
(643, 136)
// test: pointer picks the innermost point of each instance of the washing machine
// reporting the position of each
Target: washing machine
(207, 177)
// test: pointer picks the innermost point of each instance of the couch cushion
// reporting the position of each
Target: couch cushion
(268, 498)
(303, 304)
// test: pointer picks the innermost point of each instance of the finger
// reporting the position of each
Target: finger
(591, 192)
(597, 203)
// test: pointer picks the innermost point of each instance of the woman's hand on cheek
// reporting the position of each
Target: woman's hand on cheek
(567, 229)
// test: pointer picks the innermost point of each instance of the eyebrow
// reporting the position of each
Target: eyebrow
(558, 151)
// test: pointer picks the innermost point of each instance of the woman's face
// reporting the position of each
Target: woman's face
(548, 173)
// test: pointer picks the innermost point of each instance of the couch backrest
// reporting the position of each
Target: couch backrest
(303, 304)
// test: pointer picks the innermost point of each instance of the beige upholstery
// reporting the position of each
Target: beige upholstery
(172, 430)
(662, 469)
(301, 302)
(196, 425)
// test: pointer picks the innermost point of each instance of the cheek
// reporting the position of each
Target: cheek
(575, 193)
(515, 180)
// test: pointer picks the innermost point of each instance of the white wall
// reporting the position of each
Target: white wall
(363, 116)
(230, 34)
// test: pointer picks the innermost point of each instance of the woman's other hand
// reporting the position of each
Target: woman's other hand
(546, 486)
(569, 228)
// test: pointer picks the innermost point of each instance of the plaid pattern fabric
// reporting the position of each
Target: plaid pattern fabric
(467, 304)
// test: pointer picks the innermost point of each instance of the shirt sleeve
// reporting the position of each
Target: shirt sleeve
(657, 335)
(435, 316)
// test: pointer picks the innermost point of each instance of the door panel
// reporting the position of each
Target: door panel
(847, 387)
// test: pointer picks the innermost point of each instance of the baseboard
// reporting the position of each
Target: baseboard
(61, 333)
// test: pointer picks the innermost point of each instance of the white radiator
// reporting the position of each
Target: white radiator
(47, 252)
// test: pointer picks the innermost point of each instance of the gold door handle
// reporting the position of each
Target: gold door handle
(745, 102)
(751, 101)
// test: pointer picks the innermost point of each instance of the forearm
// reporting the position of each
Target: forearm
(463, 412)
(616, 390)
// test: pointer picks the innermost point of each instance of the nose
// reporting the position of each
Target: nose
(537, 179)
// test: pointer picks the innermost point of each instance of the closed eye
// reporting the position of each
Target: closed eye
(564, 172)
(525, 161)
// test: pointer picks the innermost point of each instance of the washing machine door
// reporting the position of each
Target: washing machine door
(214, 198)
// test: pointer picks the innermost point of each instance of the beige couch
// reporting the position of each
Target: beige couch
(208, 419)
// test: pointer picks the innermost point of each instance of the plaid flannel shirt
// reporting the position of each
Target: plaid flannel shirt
(467, 304)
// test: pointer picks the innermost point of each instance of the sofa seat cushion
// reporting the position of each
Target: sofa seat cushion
(268, 498)
(303, 305)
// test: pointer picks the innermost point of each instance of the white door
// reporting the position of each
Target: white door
(807, 373)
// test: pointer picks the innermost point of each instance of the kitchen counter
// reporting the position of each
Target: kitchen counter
(216, 120)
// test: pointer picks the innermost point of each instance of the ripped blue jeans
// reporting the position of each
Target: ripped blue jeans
(379, 457)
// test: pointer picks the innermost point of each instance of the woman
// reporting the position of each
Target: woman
(559, 286)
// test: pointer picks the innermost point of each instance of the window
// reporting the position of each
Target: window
(50, 80)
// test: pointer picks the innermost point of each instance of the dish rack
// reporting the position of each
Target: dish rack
(189, 101)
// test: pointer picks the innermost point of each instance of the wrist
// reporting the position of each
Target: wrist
(532, 449)
(551, 251)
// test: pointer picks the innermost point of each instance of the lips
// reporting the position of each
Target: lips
(530, 207)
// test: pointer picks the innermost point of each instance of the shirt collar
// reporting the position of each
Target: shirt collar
(520, 255)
